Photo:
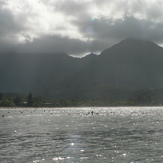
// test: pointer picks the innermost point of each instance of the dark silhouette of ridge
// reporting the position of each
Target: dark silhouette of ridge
(119, 71)
(122, 71)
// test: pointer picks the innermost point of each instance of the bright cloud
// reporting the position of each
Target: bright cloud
(39, 19)
(88, 21)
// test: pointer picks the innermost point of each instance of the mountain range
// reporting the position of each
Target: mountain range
(129, 69)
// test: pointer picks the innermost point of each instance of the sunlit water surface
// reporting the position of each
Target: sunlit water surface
(67, 135)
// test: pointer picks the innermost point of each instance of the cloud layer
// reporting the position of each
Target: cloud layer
(77, 27)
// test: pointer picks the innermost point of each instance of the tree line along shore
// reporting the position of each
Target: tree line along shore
(7, 100)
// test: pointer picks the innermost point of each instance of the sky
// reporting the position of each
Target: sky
(77, 27)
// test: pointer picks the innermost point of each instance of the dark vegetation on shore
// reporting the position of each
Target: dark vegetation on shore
(14, 100)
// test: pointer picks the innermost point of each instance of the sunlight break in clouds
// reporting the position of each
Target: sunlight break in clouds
(39, 19)
(92, 24)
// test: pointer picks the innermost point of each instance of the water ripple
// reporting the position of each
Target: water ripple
(118, 135)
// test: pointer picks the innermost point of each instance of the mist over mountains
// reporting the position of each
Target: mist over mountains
(126, 70)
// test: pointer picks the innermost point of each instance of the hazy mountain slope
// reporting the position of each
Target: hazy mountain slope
(136, 62)
(23, 73)
(119, 71)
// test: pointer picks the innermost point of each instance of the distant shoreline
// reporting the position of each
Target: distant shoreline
(33, 108)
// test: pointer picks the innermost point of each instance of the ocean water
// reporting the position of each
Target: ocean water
(88, 135)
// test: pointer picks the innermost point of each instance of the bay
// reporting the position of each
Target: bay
(94, 134)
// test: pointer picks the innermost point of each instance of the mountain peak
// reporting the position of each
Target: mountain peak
(132, 45)
(136, 41)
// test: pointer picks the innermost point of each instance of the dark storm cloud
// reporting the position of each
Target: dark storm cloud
(99, 24)
(7, 23)
(7, 47)
(52, 44)
(75, 8)
(129, 27)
